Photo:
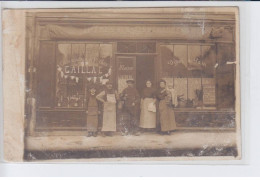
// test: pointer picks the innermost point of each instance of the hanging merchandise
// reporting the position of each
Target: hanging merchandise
(59, 68)
(104, 81)
(109, 71)
(77, 79)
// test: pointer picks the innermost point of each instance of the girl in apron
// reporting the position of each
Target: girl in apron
(92, 112)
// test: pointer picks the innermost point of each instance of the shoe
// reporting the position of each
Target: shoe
(89, 134)
(109, 134)
(124, 134)
(163, 133)
(137, 134)
(95, 134)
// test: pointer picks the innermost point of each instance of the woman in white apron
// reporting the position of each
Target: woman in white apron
(148, 107)
(108, 98)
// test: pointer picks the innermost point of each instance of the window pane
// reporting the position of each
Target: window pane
(194, 61)
(180, 61)
(69, 83)
(146, 47)
(63, 54)
(78, 53)
(92, 54)
(167, 60)
(209, 95)
(208, 60)
(75, 84)
(105, 58)
(63, 58)
(194, 91)
(180, 85)
(92, 60)
(126, 47)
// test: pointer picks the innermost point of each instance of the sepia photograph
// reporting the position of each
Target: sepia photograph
(122, 84)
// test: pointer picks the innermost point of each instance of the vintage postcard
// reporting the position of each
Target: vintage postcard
(120, 84)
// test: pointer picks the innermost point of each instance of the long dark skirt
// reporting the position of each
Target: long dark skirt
(92, 119)
(166, 117)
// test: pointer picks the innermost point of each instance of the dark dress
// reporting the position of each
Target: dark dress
(166, 112)
(92, 113)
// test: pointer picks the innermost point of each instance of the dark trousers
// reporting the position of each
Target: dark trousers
(133, 120)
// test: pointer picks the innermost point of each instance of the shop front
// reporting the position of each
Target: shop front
(68, 52)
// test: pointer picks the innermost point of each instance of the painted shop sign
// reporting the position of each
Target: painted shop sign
(83, 70)
(126, 67)
(96, 67)
(126, 70)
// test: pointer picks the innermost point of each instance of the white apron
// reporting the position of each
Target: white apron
(109, 114)
(147, 118)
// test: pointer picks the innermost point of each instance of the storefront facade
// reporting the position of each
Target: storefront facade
(68, 51)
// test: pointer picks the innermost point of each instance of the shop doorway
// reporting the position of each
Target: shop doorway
(138, 67)
(144, 71)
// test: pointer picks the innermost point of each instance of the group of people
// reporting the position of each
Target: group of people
(156, 105)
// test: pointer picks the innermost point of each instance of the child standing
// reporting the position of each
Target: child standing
(92, 112)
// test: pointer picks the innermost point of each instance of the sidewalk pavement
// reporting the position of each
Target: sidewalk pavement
(177, 140)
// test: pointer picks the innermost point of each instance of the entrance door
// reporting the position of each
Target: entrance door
(144, 71)
(140, 68)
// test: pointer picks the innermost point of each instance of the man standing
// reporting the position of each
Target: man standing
(108, 97)
(131, 100)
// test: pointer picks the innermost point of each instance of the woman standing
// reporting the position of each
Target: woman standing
(166, 112)
(148, 108)
(108, 98)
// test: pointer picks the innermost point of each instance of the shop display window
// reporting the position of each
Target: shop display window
(77, 66)
(190, 68)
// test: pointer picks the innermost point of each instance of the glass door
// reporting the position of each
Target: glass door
(126, 69)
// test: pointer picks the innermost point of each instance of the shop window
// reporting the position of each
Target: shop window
(78, 66)
(146, 47)
(190, 69)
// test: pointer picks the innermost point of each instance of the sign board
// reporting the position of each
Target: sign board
(209, 95)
